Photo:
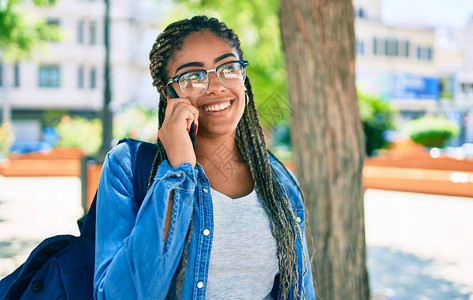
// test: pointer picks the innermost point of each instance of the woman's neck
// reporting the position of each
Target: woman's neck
(223, 164)
(217, 150)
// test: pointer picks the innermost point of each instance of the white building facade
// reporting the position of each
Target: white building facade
(68, 76)
(395, 63)
(419, 70)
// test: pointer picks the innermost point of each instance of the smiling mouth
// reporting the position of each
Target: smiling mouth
(218, 107)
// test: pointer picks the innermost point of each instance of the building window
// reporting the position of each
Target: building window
(360, 47)
(16, 75)
(80, 77)
(361, 13)
(429, 53)
(403, 48)
(49, 76)
(424, 53)
(80, 32)
(467, 88)
(391, 47)
(379, 46)
(53, 22)
(93, 78)
(92, 33)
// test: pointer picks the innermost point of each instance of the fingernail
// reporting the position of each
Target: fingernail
(188, 129)
(196, 129)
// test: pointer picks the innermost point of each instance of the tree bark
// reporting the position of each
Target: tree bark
(319, 44)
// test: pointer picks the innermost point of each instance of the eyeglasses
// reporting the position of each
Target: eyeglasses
(196, 82)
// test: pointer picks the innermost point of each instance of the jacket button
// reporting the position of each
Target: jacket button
(298, 219)
(205, 190)
(37, 286)
(206, 232)
(179, 174)
(200, 284)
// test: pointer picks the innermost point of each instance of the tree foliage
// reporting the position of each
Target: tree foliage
(256, 23)
(21, 31)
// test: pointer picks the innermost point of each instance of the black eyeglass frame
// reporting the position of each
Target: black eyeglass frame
(243, 63)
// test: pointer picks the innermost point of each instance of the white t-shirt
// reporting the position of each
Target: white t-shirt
(243, 261)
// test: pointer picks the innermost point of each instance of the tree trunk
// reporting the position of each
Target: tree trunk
(319, 43)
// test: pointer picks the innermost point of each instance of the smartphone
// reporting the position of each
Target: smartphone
(172, 94)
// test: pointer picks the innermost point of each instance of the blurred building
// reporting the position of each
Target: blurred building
(455, 67)
(395, 63)
(419, 70)
(67, 76)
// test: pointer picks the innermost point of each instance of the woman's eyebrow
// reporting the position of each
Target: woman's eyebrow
(191, 64)
(224, 56)
(199, 64)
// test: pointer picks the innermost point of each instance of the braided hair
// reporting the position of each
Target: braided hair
(250, 142)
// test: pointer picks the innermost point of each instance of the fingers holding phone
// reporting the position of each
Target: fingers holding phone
(174, 132)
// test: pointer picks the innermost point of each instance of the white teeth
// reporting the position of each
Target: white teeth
(217, 107)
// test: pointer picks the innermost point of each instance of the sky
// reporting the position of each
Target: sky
(450, 13)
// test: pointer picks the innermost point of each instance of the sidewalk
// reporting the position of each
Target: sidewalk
(32, 209)
(419, 246)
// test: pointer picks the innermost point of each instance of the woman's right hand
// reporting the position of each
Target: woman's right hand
(174, 132)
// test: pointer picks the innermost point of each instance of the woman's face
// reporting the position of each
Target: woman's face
(204, 50)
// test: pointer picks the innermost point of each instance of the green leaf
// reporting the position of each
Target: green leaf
(21, 32)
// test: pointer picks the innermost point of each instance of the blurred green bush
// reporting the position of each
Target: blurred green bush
(7, 138)
(133, 122)
(377, 117)
(137, 123)
(80, 132)
(431, 131)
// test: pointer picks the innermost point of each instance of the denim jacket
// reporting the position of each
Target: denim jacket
(133, 260)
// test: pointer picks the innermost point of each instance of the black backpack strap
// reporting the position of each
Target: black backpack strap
(145, 154)
(88, 228)
(142, 156)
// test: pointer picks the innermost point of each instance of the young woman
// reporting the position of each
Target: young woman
(223, 221)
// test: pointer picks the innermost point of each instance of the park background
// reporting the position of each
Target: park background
(413, 60)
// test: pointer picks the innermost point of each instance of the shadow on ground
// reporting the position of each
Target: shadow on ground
(9, 249)
(13, 253)
(404, 276)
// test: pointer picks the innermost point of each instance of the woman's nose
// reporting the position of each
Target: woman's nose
(214, 84)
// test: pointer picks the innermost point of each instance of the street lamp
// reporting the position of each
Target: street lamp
(107, 117)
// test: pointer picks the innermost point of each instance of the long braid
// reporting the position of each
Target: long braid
(251, 143)
(283, 215)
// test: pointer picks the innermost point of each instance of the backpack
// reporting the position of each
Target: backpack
(62, 266)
